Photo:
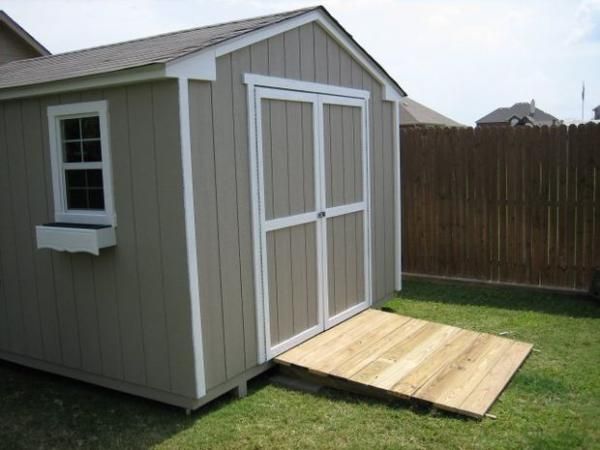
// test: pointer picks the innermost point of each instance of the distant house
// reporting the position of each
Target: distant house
(519, 114)
(415, 114)
(596, 112)
(16, 43)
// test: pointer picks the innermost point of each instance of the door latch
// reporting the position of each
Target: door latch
(321, 214)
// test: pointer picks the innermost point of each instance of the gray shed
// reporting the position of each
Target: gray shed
(178, 210)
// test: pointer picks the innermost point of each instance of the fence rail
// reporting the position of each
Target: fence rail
(515, 205)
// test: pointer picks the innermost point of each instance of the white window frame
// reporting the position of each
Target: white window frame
(61, 212)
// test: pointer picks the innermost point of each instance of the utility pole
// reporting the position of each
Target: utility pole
(582, 99)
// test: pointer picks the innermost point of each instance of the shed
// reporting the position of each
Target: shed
(178, 210)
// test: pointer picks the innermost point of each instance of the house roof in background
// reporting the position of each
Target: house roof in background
(415, 113)
(149, 51)
(23, 34)
(519, 110)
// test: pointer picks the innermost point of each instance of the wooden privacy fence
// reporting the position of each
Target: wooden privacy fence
(511, 205)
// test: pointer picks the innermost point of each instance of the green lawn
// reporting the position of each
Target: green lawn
(553, 401)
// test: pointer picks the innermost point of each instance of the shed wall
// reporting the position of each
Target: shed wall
(219, 126)
(12, 47)
(124, 315)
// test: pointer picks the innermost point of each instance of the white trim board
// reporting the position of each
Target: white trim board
(397, 199)
(190, 235)
(310, 87)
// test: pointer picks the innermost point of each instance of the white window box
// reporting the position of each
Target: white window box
(72, 237)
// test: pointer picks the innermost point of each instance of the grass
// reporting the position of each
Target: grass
(553, 401)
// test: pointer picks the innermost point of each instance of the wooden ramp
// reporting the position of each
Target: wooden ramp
(451, 368)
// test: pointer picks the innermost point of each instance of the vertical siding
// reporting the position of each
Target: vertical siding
(125, 314)
(203, 162)
(12, 47)
(222, 185)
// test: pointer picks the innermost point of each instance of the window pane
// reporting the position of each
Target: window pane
(72, 151)
(76, 179)
(94, 178)
(77, 198)
(70, 129)
(84, 189)
(96, 198)
(90, 127)
(92, 151)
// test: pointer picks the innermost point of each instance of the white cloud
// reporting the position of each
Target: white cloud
(462, 57)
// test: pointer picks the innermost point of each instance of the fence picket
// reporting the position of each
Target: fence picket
(502, 204)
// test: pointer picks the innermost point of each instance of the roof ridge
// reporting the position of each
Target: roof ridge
(170, 33)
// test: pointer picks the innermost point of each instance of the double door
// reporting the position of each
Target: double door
(312, 169)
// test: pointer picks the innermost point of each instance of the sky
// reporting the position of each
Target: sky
(463, 58)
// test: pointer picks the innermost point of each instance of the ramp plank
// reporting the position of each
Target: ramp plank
(370, 354)
(489, 389)
(454, 369)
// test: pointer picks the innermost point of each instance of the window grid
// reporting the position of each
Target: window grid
(81, 173)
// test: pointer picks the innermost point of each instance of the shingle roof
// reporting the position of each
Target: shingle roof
(131, 54)
(519, 110)
(415, 113)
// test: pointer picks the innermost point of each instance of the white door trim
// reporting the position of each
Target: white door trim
(252, 79)
(260, 87)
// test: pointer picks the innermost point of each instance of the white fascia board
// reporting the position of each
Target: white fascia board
(129, 76)
(390, 94)
(198, 65)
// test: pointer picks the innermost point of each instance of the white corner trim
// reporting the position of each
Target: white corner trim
(202, 69)
(252, 80)
(397, 199)
(190, 235)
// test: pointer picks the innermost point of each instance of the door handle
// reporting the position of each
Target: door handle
(321, 214)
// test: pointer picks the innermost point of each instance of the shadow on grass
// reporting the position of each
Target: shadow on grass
(39, 409)
(356, 394)
(417, 407)
(521, 299)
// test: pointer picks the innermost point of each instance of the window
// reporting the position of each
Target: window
(81, 169)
